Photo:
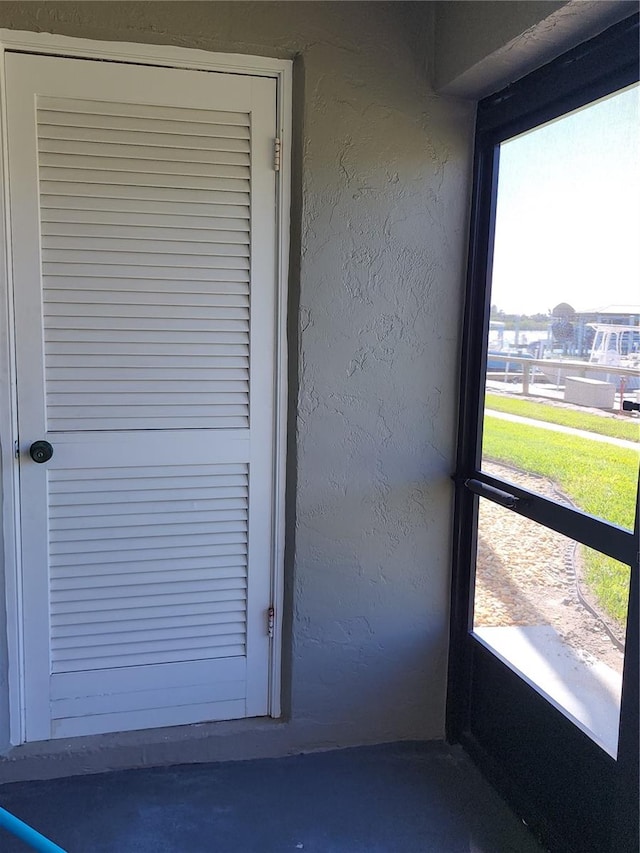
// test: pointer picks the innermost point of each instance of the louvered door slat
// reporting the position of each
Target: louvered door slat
(111, 117)
(78, 320)
(146, 312)
(175, 507)
(218, 259)
(135, 253)
(149, 138)
(112, 560)
(57, 167)
(72, 207)
(127, 246)
(146, 289)
(117, 606)
(125, 367)
(226, 181)
(108, 225)
(110, 619)
(215, 554)
(159, 523)
(148, 299)
(158, 531)
(204, 199)
(232, 270)
(82, 106)
(185, 156)
(198, 565)
(70, 317)
(57, 234)
(125, 593)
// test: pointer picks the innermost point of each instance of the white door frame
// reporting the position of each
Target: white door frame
(139, 54)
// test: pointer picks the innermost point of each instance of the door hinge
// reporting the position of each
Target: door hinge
(276, 155)
(16, 449)
(271, 618)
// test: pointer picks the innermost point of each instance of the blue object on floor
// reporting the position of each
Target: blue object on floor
(27, 834)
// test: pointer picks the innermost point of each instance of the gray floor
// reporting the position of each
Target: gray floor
(397, 798)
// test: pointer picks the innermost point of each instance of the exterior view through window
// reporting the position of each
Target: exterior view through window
(563, 373)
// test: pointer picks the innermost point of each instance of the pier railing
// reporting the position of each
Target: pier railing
(525, 372)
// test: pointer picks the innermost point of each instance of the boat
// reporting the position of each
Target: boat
(615, 345)
(498, 349)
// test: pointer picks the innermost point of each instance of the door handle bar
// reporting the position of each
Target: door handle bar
(505, 499)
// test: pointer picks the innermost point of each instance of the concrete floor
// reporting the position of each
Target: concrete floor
(397, 798)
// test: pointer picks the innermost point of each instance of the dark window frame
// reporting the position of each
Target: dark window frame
(590, 71)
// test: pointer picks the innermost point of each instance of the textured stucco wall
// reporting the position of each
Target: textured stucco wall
(380, 211)
(480, 47)
(467, 33)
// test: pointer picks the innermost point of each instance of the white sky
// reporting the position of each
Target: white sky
(568, 215)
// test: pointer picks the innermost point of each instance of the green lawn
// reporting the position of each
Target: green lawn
(628, 429)
(599, 478)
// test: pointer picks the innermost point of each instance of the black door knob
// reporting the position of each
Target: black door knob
(41, 451)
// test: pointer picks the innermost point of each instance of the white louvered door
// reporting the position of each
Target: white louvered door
(142, 209)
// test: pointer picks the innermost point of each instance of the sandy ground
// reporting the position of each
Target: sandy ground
(526, 575)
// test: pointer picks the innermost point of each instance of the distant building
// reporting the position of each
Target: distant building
(624, 315)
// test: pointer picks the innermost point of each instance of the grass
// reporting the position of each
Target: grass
(627, 429)
(599, 478)
(609, 581)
